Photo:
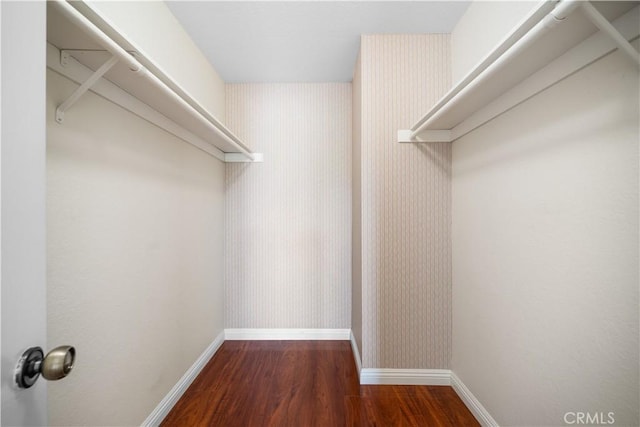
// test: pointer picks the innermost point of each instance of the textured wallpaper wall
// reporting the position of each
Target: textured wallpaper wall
(406, 205)
(288, 220)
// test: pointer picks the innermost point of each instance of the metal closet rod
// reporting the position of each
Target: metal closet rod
(514, 46)
(105, 41)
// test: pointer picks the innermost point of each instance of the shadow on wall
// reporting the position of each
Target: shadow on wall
(233, 171)
(573, 120)
(437, 156)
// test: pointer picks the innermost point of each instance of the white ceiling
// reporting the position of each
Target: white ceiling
(302, 41)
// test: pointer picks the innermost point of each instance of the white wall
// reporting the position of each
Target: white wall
(289, 219)
(151, 28)
(484, 25)
(135, 233)
(545, 252)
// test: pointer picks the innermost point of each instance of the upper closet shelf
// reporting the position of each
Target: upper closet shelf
(554, 41)
(78, 49)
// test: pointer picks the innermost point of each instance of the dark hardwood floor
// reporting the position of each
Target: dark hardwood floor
(305, 383)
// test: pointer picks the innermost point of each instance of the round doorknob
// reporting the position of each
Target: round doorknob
(54, 366)
(58, 362)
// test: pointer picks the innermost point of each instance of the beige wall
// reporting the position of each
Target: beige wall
(356, 210)
(405, 199)
(135, 221)
(545, 252)
(289, 219)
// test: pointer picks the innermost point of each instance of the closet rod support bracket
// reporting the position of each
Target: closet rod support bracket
(437, 135)
(64, 58)
(605, 26)
(242, 158)
(84, 87)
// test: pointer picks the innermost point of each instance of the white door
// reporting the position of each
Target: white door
(22, 195)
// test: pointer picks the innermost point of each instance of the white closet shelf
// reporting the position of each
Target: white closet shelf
(81, 51)
(555, 40)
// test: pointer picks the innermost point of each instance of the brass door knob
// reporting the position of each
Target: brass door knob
(58, 362)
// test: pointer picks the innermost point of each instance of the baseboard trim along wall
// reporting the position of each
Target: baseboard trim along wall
(165, 405)
(405, 376)
(426, 377)
(287, 334)
(471, 402)
(369, 376)
(356, 355)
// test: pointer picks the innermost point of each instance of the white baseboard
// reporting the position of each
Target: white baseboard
(287, 334)
(405, 376)
(356, 353)
(474, 405)
(165, 405)
(424, 377)
(366, 375)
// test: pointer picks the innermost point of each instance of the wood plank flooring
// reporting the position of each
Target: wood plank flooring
(305, 383)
